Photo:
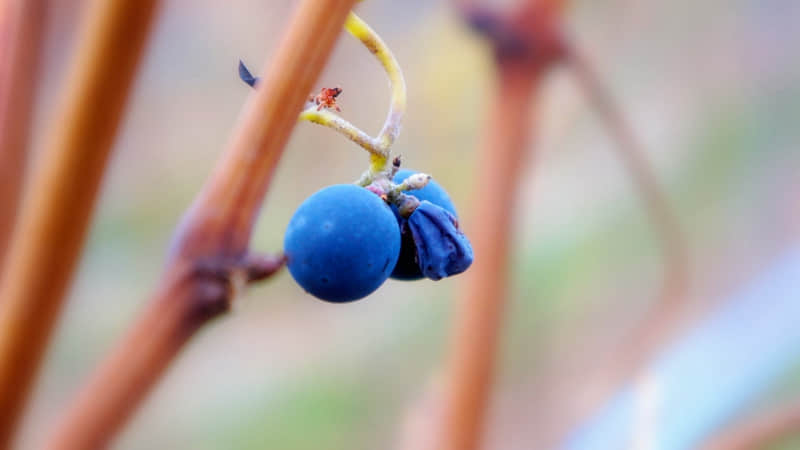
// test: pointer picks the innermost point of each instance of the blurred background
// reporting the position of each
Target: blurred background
(711, 88)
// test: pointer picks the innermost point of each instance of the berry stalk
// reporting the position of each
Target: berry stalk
(378, 177)
(391, 127)
(380, 145)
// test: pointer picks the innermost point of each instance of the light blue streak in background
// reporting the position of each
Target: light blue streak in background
(715, 370)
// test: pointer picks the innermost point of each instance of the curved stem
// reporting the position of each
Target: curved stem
(379, 146)
(667, 313)
(391, 128)
(336, 123)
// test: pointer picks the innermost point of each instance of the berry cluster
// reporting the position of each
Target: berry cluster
(344, 241)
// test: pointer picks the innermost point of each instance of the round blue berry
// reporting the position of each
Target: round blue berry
(407, 267)
(342, 243)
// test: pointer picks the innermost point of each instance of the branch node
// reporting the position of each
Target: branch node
(530, 34)
(212, 287)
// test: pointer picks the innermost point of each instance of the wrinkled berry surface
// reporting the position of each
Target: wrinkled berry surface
(407, 267)
(342, 243)
(442, 249)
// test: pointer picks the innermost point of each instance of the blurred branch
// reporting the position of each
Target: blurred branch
(209, 262)
(665, 315)
(577, 390)
(574, 392)
(478, 315)
(525, 48)
(526, 42)
(760, 431)
(55, 216)
(21, 30)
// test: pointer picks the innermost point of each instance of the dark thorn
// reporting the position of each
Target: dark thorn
(260, 267)
(246, 76)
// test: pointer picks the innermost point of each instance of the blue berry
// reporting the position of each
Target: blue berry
(342, 243)
(407, 267)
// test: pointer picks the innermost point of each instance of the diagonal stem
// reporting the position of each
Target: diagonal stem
(662, 320)
(209, 262)
(54, 219)
(21, 30)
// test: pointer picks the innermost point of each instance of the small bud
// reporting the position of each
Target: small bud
(407, 204)
(416, 181)
(396, 162)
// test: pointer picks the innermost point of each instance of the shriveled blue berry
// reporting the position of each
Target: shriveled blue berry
(442, 249)
(342, 243)
(407, 267)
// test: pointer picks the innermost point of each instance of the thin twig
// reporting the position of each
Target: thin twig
(665, 316)
(54, 218)
(523, 56)
(209, 262)
(760, 431)
(21, 30)
(586, 386)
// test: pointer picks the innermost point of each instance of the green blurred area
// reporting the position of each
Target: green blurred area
(712, 91)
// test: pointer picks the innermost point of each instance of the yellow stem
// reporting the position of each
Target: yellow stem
(379, 146)
(331, 120)
(391, 128)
